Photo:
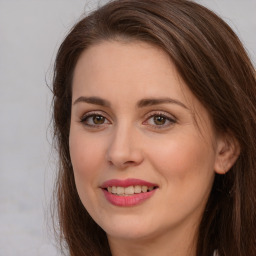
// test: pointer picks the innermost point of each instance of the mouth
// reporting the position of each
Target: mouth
(129, 192)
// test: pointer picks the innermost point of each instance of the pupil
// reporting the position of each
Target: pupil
(159, 120)
(98, 119)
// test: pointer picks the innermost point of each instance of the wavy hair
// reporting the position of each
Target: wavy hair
(212, 61)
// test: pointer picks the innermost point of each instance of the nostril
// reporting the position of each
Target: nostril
(129, 162)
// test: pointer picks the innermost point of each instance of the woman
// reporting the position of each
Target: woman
(155, 121)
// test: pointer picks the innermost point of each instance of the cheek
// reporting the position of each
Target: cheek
(87, 159)
(185, 162)
(186, 168)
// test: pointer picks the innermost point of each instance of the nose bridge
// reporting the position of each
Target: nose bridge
(124, 147)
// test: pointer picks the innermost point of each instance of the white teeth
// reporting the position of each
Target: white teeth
(131, 190)
(144, 189)
(113, 190)
(137, 189)
(120, 190)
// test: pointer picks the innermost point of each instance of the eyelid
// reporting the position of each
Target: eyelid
(171, 118)
(95, 113)
(160, 113)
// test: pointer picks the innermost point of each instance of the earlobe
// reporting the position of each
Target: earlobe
(227, 152)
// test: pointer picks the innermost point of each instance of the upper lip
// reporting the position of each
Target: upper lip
(127, 183)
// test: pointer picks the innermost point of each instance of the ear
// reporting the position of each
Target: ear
(228, 150)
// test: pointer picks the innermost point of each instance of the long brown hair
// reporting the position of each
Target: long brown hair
(214, 65)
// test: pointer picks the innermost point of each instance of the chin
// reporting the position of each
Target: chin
(130, 228)
(130, 233)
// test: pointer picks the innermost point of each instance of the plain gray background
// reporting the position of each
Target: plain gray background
(30, 33)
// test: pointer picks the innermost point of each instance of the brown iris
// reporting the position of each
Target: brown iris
(159, 120)
(98, 119)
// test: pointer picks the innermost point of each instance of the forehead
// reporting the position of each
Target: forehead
(121, 67)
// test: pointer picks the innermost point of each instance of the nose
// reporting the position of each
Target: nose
(124, 148)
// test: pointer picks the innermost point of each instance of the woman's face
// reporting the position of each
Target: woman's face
(143, 148)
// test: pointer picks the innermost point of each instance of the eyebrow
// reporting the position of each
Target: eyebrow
(142, 103)
(93, 100)
(158, 101)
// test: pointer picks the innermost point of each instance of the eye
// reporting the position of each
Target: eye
(94, 120)
(160, 120)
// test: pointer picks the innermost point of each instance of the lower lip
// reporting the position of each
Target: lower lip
(124, 201)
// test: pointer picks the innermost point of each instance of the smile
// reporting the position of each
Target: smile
(128, 192)
(131, 190)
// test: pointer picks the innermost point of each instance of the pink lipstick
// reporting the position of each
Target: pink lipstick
(129, 192)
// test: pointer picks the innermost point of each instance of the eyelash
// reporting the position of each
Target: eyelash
(165, 116)
(91, 115)
(170, 119)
